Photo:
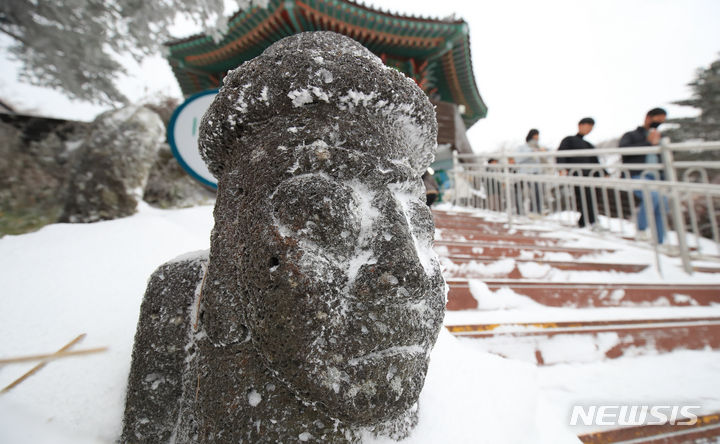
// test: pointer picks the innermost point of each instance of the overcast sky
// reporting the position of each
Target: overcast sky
(538, 64)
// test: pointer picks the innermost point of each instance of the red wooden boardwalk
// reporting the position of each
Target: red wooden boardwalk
(473, 248)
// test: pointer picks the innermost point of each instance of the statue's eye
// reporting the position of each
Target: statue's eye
(319, 209)
(411, 200)
(421, 221)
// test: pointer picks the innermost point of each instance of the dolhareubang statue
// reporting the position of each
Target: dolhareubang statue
(313, 316)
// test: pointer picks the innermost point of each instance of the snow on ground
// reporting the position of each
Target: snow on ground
(90, 278)
(68, 279)
(678, 378)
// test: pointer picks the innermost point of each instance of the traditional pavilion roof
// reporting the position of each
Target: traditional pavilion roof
(434, 52)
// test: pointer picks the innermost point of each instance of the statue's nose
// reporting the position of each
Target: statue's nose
(397, 273)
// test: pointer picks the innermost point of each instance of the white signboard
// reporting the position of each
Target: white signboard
(183, 136)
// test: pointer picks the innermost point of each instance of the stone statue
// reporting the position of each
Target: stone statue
(314, 315)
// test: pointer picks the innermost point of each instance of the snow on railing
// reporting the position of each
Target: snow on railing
(658, 194)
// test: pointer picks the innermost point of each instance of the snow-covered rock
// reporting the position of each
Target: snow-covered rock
(169, 186)
(110, 169)
(34, 169)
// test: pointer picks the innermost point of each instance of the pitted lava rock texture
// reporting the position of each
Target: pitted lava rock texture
(322, 297)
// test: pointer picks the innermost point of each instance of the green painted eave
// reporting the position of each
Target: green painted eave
(194, 77)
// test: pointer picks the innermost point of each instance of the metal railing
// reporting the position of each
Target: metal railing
(683, 195)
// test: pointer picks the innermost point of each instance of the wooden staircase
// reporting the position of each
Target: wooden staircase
(473, 248)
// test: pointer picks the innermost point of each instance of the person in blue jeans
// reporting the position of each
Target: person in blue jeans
(658, 207)
(647, 135)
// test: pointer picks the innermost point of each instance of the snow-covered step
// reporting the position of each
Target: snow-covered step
(705, 430)
(500, 238)
(553, 342)
(484, 249)
(490, 227)
(706, 269)
(517, 268)
(580, 295)
(475, 219)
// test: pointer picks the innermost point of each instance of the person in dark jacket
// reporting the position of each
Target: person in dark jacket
(646, 135)
(431, 187)
(577, 142)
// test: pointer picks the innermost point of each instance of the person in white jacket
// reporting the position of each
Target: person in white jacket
(531, 145)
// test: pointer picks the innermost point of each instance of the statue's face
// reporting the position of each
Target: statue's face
(345, 293)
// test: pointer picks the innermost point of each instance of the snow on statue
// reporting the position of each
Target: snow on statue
(314, 315)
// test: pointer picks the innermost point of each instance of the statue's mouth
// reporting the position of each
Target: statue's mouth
(409, 351)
